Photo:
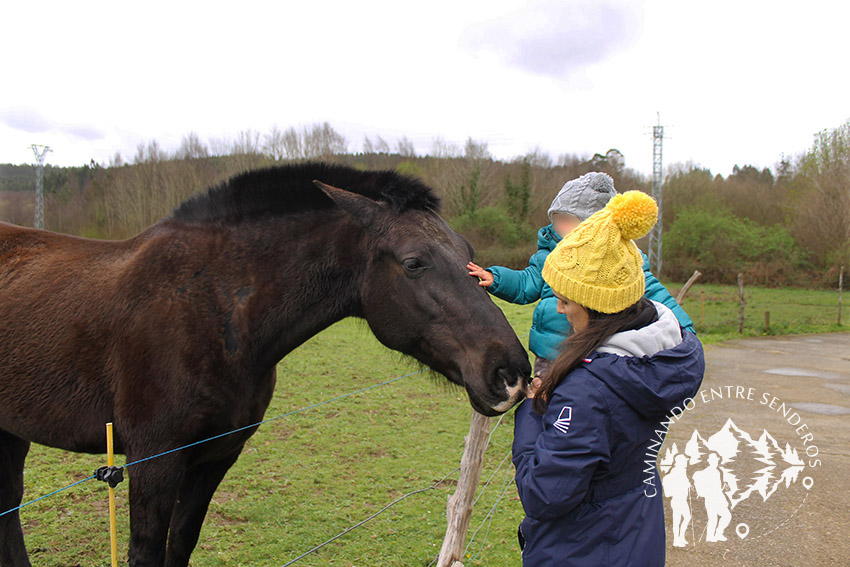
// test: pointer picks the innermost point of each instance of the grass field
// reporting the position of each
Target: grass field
(305, 478)
(792, 311)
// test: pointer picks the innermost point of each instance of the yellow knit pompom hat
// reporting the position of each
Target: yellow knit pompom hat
(598, 265)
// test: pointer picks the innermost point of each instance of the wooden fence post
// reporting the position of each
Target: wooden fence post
(681, 296)
(459, 507)
(840, 292)
(741, 293)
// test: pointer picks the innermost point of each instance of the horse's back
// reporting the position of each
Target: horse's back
(56, 294)
(20, 246)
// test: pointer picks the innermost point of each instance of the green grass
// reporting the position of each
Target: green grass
(304, 478)
(792, 311)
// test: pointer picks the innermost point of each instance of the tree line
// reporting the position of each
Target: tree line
(786, 226)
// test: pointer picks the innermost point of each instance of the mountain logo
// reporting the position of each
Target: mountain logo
(724, 470)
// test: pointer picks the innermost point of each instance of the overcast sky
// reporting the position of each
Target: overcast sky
(735, 81)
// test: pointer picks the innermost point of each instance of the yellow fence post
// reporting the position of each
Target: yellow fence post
(113, 531)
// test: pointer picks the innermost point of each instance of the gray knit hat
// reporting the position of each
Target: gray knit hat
(583, 196)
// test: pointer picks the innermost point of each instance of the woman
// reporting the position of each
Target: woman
(585, 446)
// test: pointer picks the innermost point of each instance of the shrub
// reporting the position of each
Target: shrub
(492, 225)
(720, 244)
(498, 238)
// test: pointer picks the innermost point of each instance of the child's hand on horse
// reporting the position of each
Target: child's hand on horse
(485, 277)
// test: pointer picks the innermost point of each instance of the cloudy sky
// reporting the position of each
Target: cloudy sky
(734, 81)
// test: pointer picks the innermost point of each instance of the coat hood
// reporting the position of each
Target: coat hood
(653, 369)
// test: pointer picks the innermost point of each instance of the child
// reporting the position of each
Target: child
(581, 444)
(576, 201)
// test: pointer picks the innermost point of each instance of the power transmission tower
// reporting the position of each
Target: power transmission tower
(655, 236)
(39, 152)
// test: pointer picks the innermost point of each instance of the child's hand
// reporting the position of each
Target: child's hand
(485, 277)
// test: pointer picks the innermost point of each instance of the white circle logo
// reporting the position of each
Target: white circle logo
(718, 481)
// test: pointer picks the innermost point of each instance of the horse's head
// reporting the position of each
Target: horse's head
(419, 299)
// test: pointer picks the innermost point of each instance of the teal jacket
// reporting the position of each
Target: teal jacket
(548, 327)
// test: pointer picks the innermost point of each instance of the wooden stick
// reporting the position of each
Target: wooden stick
(459, 507)
(681, 296)
(840, 293)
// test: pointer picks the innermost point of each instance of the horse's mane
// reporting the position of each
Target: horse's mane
(283, 190)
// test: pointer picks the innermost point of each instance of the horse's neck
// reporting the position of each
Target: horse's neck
(297, 279)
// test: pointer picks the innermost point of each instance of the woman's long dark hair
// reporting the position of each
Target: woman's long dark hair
(580, 344)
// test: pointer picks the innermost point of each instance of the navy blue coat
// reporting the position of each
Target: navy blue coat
(589, 496)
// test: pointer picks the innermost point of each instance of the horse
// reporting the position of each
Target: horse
(173, 335)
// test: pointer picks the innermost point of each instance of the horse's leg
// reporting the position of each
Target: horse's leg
(154, 486)
(197, 490)
(13, 452)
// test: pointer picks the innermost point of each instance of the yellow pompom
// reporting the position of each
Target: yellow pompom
(634, 212)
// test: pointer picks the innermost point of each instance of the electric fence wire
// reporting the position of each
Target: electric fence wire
(373, 516)
(390, 505)
(488, 519)
(481, 493)
(11, 510)
(287, 414)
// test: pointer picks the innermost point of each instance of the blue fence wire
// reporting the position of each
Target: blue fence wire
(287, 414)
(45, 496)
(301, 410)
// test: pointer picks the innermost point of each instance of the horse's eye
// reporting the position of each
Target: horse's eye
(413, 266)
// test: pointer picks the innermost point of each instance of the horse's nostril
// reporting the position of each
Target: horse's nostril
(510, 378)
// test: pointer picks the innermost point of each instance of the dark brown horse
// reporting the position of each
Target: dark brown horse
(174, 335)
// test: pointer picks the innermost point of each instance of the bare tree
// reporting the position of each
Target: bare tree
(381, 146)
(537, 158)
(322, 141)
(247, 143)
(475, 150)
(822, 211)
(273, 144)
(292, 144)
(150, 153)
(192, 147)
(440, 148)
(406, 147)
(570, 160)
(17, 208)
(220, 146)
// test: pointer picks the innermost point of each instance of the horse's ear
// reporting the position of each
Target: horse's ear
(363, 209)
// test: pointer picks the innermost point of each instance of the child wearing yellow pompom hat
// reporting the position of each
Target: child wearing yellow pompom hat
(577, 200)
(581, 439)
